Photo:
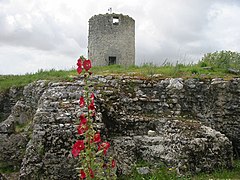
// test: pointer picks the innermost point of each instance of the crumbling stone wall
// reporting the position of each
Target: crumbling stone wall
(214, 102)
(16, 129)
(128, 108)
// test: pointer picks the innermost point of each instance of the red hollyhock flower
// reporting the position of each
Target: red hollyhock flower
(82, 128)
(87, 64)
(97, 138)
(77, 147)
(81, 101)
(91, 173)
(91, 106)
(105, 146)
(92, 97)
(83, 120)
(79, 70)
(82, 174)
(79, 63)
(113, 163)
(80, 131)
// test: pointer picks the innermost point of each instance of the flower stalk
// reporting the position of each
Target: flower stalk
(89, 148)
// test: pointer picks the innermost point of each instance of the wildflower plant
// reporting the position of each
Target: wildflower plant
(94, 163)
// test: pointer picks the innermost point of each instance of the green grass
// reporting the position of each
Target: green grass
(25, 127)
(7, 81)
(145, 71)
(7, 168)
(164, 173)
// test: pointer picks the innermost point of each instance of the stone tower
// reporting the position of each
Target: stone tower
(111, 40)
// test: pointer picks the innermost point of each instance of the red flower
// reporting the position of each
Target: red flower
(79, 63)
(91, 106)
(83, 125)
(82, 128)
(79, 70)
(82, 174)
(77, 147)
(91, 173)
(87, 64)
(105, 146)
(81, 101)
(113, 163)
(92, 96)
(80, 131)
(93, 115)
(97, 138)
(83, 119)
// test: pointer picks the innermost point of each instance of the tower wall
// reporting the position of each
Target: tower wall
(111, 40)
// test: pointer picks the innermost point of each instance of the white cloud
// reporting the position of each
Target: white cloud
(225, 27)
(52, 34)
(32, 60)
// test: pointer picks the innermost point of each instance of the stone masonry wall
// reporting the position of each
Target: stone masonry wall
(16, 129)
(128, 109)
(107, 39)
(215, 103)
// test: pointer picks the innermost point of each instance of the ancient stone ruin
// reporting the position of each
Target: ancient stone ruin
(189, 125)
(111, 40)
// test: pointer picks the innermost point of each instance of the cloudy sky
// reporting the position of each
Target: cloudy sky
(47, 34)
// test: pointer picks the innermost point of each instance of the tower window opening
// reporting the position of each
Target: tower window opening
(115, 20)
(112, 60)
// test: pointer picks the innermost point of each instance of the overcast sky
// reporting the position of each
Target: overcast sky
(46, 34)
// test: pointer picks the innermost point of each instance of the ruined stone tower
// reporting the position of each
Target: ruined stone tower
(111, 40)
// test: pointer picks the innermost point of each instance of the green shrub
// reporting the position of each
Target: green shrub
(221, 60)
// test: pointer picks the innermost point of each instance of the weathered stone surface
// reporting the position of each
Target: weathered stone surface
(127, 110)
(9, 176)
(143, 170)
(48, 153)
(15, 131)
(233, 71)
(151, 133)
(187, 146)
(216, 103)
(12, 148)
(7, 126)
